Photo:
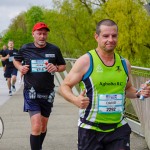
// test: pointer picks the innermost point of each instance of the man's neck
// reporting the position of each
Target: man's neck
(39, 46)
(107, 58)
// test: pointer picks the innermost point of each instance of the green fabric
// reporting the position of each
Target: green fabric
(104, 80)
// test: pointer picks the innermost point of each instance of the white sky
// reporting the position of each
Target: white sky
(11, 8)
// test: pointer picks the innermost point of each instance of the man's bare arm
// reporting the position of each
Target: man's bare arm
(74, 77)
(22, 68)
(131, 91)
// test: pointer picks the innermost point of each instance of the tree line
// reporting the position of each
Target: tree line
(72, 26)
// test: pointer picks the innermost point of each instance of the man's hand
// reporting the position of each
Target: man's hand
(51, 67)
(82, 101)
(7, 57)
(145, 90)
(24, 69)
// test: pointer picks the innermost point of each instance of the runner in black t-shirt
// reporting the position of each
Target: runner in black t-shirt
(40, 61)
(10, 71)
(2, 54)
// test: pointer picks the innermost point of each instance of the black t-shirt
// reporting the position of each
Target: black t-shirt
(40, 81)
(2, 53)
(9, 61)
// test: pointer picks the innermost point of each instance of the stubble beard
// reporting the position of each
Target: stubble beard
(41, 44)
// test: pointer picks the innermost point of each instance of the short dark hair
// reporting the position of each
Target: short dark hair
(106, 22)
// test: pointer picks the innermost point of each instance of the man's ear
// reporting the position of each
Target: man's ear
(96, 36)
(33, 34)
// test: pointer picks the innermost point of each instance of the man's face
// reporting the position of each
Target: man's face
(10, 44)
(107, 39)
(4, 47)
(40, 37)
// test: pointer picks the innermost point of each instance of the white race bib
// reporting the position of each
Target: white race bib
(11, 58)
(110, 103)
(39, 65)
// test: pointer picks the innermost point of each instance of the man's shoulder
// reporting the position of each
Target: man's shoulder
(1, 51)
(124, 62)
(6, 51)
(28, 45)
(50, 45)
(92, 51)
(15, 50)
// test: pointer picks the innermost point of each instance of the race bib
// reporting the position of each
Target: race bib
(11, 58)
(39, 65)
(110, 103)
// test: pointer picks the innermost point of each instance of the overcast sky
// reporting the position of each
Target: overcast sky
(11, 8)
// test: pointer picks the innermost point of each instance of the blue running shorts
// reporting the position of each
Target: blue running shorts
(42, 102)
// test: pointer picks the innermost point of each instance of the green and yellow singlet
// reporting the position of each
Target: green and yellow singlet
(105, 87)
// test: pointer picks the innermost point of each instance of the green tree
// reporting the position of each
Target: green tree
(133, 22)
(32, 16)
(76, 35)
(72, 24)
(20, 30)
(16, 31)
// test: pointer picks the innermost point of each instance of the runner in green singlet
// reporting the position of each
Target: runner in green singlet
(105, 82)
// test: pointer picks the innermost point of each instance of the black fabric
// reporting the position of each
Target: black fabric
(10, 53)
(102, 126)
(3, 55)
(37, 105)
(42, 137)
(118, 139)
(44, 80)
(9, 72)
(35, 142)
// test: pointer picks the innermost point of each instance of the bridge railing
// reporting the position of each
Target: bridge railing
(139, 76)
(137, 111)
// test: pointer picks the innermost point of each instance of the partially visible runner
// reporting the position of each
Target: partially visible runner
(41, 60)
(10, 71)
(2, 54)
(21, 79)
(21, 76)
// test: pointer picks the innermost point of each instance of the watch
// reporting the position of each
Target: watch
(138, 94)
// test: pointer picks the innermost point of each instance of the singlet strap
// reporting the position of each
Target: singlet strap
(90, 67)
(124, 64)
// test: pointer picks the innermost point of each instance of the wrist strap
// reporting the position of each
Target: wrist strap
(138, 93)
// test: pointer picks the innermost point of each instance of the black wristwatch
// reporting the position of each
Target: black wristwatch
(137, 94)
